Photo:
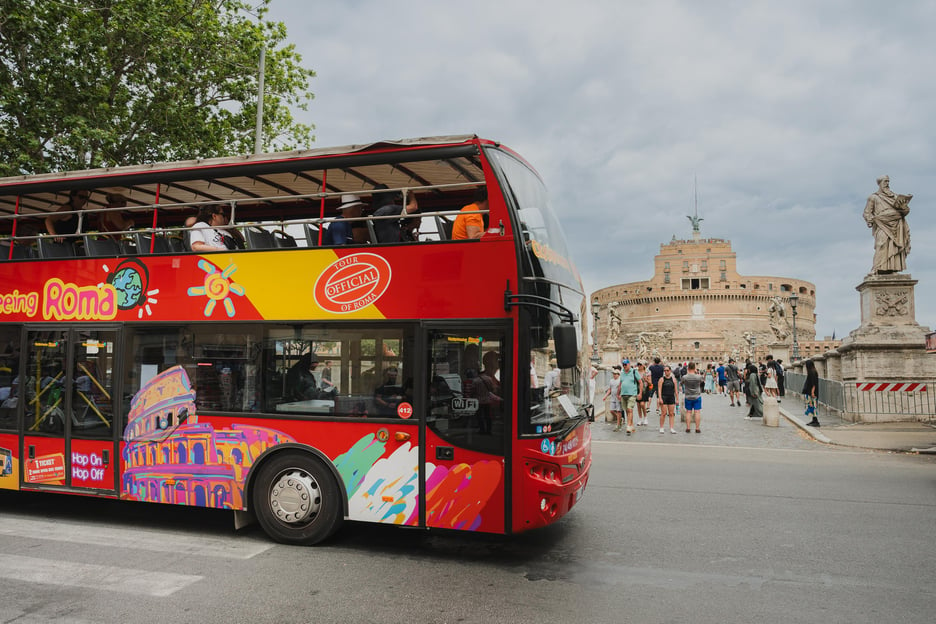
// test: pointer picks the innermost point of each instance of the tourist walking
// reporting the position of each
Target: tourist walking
(811, 393)
(656, 372)
(770, 385)
(643, 399)
(755, 393)
(631, 387)
(733, 381)
(614, 392)
(722, 380)
(692, 386)
(709, 379)
(667, 396)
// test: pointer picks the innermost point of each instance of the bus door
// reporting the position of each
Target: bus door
(468, 426)
(68, 409)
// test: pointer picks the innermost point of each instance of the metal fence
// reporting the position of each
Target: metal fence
(894, 401)
(831, 393)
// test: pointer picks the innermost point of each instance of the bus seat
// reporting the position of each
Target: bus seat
(101, 246)
(127, 246)
(7, 417)
(283, 240)
(178, 242)
(144, 241)
(312, 235)
(20, 252)
(371, 233)
(48, 248)
(445, 227)
(258, 238)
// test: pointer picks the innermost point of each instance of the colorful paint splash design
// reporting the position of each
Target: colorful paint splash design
(386, 489)
(455, 498)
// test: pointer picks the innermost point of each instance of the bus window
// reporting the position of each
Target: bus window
(467, 389)
(9, 369)
(322, 370)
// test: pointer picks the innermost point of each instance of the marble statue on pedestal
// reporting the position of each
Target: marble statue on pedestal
(885, 213)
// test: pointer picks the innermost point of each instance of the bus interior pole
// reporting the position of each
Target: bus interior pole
(13, 232)
(155, 217)
(322, 204)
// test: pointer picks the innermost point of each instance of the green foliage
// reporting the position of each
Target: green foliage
(97, 83)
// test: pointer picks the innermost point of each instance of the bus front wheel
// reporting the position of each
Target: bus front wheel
(296, 500)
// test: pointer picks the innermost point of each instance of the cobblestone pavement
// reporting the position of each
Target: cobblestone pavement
(722, 425)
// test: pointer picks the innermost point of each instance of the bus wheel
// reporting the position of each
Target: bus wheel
(296, 500)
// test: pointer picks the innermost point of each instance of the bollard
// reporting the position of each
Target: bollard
(771, 412)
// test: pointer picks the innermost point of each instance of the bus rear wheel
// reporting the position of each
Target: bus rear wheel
(296, 500)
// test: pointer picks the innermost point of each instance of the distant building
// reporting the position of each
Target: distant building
(697, 307)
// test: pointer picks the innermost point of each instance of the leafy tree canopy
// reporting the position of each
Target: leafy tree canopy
(97, 83)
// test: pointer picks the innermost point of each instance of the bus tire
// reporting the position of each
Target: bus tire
(296, 499)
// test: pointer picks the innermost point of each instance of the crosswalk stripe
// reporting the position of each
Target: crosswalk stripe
(233, 547)
(87, 575)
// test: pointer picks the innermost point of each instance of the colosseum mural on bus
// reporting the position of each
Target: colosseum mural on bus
(169, 457)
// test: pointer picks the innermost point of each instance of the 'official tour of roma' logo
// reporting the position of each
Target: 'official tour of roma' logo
(352, 283)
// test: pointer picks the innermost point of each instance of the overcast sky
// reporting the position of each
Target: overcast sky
(786, 112)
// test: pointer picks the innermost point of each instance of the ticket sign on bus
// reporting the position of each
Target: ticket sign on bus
(46, 468)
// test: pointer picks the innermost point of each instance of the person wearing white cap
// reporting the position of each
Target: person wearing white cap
(340, 231)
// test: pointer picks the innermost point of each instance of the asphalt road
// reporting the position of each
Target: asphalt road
(675, 531)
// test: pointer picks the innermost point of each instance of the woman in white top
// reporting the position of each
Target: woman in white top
(206, 234)
(771, 387)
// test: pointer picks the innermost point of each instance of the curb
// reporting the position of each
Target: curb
(813, 432)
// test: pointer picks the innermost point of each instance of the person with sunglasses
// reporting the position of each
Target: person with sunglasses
(208, 234)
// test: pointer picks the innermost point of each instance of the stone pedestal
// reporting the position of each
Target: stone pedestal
(780, 351)
(771, 412)
(889, 346)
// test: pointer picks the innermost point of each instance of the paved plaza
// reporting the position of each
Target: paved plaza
(723, 425)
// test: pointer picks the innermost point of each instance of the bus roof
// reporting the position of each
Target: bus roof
(426, 161)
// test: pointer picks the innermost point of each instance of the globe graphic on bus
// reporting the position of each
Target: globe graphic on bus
(130, 283)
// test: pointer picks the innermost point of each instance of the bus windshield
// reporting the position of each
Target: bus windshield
(556, 396)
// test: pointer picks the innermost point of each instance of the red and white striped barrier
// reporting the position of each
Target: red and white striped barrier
(891, 387)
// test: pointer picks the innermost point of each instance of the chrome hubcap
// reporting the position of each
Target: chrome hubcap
(295, 497)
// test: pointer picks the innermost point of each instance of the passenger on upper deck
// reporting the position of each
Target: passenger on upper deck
(206, 234)
(340, 231)
(114, 220)
(409, 227)
(471, 226)
(387, 204)
(57, 224)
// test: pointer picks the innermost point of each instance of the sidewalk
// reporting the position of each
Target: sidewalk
(727, 426)
(895, 436)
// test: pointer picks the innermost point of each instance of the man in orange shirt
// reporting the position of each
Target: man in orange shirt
(471, 225)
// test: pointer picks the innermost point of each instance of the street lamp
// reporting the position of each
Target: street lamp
(596, 307)
(753, 348)
(794, 299)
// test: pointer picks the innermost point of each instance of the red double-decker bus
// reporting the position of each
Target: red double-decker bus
(384, 333)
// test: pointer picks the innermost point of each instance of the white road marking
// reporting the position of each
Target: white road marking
(91, 576)
(232, 547)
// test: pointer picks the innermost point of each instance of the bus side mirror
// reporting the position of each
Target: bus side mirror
(566, 344)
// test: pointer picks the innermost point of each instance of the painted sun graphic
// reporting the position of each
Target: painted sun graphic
(218, 287)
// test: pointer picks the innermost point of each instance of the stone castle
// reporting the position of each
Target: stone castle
(698, 307)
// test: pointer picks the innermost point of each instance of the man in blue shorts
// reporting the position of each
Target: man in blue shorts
(692, 386)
